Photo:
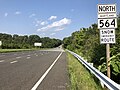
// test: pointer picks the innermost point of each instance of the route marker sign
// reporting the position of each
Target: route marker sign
(107, 21)
(107, 16)
(107, 36)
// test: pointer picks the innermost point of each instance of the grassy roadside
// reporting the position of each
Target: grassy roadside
(19, 50)
(80, 78)
(13, 50)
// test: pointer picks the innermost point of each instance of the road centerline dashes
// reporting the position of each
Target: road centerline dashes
(18, 57)
(13, 62)
(2, 61)
(28, 57)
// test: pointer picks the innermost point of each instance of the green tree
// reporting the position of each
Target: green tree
(33, 38)
(86, 42)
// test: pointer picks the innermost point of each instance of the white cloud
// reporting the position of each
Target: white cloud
(44, 23)
(59, 29)
(32, 15)
(58, 24)
(36, 25)
(42, 35)
(52, 34)
(17, 12)
(52, 17)
(39, 22)
(39, 29)
(62, 22)
(6, 14)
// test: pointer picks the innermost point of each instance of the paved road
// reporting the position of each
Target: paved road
(33, 70)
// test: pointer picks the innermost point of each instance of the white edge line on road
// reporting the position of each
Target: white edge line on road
(18, 57)
(2, 60)
(28, 57)
(45, 74)
(13, 62)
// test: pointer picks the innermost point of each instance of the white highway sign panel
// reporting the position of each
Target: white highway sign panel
(108, 15)
(107, 36)
(37, 44)
(0, 43)
(107, 18)
(107, 23)
(107, 8)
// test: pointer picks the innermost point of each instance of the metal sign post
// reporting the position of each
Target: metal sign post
(108, 59)
(107, 22)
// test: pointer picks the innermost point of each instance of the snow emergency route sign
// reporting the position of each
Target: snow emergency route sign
(107, 22)
(107, 36)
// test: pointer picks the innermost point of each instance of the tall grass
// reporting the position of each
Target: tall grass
(80, 77)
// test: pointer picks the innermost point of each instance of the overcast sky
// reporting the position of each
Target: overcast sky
(51, 18)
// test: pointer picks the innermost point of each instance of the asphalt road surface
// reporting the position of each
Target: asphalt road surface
(34, 70)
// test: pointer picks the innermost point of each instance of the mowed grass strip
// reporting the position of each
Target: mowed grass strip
(80, 77)
(13, 50)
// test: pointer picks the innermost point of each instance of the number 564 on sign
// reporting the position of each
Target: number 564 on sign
(107, 23)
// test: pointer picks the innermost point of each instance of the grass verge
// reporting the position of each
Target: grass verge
(80, 77)
(13, 50)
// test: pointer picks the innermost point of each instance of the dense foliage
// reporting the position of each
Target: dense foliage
(25, 42)
(86, 43)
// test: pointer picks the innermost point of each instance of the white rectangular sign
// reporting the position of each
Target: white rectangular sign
(108, 15)
(37, 44)
(107, 18)
(107, 36)
(107, 8)
(107, 23)
(0, 43)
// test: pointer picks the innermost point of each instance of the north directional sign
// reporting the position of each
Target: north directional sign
(106, 8)
(107, 22)
(107, 17)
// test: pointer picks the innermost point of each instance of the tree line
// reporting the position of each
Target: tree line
(86, 42)
(26, 42)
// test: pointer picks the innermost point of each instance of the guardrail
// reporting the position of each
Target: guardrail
(104, 79)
